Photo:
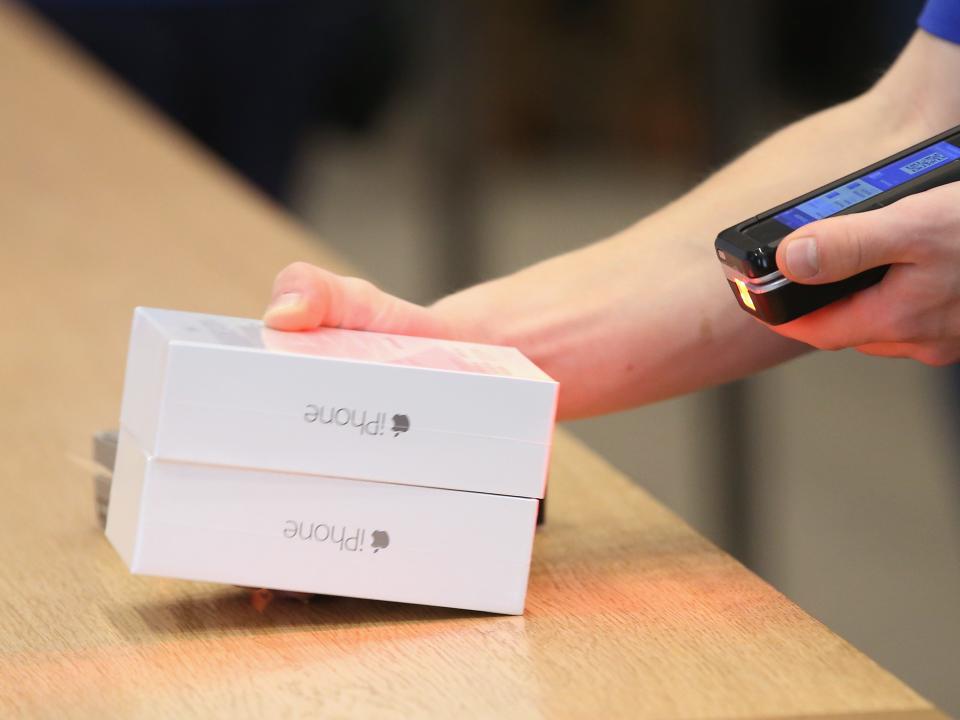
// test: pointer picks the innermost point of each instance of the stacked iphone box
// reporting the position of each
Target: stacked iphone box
(332, 461)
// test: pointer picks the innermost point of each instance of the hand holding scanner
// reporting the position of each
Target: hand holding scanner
(748, 250)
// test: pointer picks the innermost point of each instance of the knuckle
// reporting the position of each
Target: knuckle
(299, 267)
(843, 254)
(358, 286)
(855, 247)
(295, 270)
(358, 302)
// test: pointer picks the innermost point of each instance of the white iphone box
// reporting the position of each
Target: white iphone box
(333, 536)
(340, 403)
(332, 461)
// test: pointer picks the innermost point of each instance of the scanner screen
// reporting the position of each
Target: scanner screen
(855, 191)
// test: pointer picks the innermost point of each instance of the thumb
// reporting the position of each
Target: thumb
(306, 297)
(838, 247)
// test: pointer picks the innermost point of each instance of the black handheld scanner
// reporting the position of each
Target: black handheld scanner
(748, 250)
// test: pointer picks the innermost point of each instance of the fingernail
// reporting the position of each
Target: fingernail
(802, 259)
(285, 303)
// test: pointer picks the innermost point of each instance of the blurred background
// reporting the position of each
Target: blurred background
(438, 144)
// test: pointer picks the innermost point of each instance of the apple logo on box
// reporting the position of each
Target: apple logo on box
(401, 423)
(380, 540)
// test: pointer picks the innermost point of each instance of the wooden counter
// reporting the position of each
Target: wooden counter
(630, 613)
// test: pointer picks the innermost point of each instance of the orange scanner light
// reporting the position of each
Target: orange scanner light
(745, 294)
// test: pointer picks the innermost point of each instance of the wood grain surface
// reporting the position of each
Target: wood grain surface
(630, 613)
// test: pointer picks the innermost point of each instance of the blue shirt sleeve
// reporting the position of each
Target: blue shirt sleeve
(941, 18)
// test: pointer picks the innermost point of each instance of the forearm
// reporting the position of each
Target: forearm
(647, 314)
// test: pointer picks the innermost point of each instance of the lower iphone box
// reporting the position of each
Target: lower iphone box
(322, 535)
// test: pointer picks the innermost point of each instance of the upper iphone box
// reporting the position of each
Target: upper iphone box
(341, 403)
